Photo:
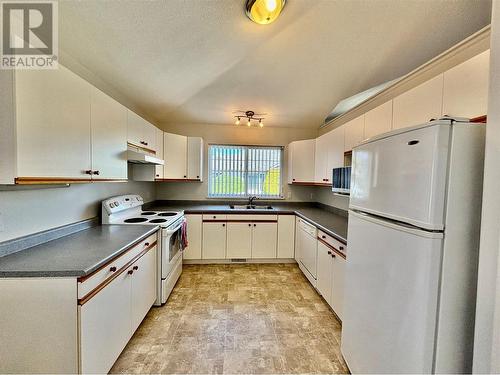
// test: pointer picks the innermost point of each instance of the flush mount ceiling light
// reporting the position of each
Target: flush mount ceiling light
(250, 116)
(264, 12)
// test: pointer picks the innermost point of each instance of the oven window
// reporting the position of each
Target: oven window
(175, 244)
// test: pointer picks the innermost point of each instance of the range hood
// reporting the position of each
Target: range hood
(137, 157)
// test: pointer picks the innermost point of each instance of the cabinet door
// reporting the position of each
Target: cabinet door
(335, 140)
(321, 159)
(195, 158)
(159, 152)
(298, 240)
(325, 272)
(378, 120)
(143, 282)
(105, 326)
(194, 229)
(264, 240)
(53, 124)
(175, 156)
(354, 133)
(150, 136)
(239, 240)
(418, 105)
(109, 137)
(465, 92)
(338, 285)
(286, 236)
(135, 129)
(301, 159)
(214, 241)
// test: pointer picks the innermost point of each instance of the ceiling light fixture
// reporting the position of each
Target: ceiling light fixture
(250, 116)
(264, 12)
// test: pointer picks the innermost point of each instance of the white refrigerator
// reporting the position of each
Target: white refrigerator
(414, 220)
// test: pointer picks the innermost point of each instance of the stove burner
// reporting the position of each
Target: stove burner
(136, 220)
(167, 214)
(148, 213)
(158, 220)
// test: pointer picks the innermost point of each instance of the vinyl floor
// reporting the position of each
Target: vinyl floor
(237, 319)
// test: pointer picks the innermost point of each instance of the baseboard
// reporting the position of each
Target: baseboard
(239, 261)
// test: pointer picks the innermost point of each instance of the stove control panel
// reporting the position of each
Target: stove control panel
(122, 202)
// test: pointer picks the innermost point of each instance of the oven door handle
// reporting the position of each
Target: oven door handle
(172, 231)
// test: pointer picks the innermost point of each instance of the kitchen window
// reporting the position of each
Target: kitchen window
(244, 171)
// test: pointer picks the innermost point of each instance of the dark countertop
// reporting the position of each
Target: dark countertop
(328, 219)
(75, 255)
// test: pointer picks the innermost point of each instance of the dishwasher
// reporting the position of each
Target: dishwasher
(307, 254)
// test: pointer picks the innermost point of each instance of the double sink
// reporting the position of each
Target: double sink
(249, 207)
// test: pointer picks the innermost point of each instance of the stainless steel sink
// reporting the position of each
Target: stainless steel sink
(249, 207)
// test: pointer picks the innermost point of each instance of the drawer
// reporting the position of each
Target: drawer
(307, 227)
(247, 217)
(332, 241)
(89, 283)
(207, 217)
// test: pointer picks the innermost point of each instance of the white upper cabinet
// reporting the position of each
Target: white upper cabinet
(195, 158)
(466, 88)
(52, 112)
(301, 161)
(140, 132)
(354, 132)
(175, 156)
(419, 105)
(378, 120)
(321, 159)
(329, 154)
(109, 137)
(159, 153)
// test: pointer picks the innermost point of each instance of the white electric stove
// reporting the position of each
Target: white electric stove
(127, 210)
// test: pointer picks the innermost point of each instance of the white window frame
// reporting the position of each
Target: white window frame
(211, 195)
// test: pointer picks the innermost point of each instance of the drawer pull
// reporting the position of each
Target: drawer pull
(135, 268)
(249, 225)
(333, 255)
(323, 236)
(329, 252)
(130, 272)
(223, 225)
(112, 269)
(341, 247)
(146, 243)
(215, 217)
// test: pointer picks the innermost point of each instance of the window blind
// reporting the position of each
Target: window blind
(244, 171)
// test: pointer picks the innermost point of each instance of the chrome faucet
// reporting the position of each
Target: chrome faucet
(251, 199)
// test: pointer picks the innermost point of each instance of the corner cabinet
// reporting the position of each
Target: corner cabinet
(301, 156)
(183, 158)
(329, 154)
(57, 128)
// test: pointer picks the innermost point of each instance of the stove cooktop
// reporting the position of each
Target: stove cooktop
(162, 218)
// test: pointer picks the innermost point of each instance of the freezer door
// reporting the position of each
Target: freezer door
(390, 297)
(403, 176)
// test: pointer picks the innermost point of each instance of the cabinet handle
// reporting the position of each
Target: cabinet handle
(95, 172)
(215, 217)
(327, 179)
(249, 225)
(255, 225)
(112, 269)
(323, 236)
(223, 225)
(130, 272)
(293, 179)
(88, 171)
(341, 247)
(185, 176)
(146, 143)
(146, 244)
(135, 268)
(329, 252)
(333, 255)
(197, 176)
(157, 175)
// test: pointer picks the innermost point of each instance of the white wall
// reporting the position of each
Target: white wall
(487, 335)
(241, 135)
(24, 212)
(325, 195)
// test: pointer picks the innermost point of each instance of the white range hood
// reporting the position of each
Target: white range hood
(138, 157)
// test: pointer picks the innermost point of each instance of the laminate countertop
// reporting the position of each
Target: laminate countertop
(328, 219)
(75, 255)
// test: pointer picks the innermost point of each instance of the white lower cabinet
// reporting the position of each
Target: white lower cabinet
(214, 240)
(194, 235)
(337, 299)
(105, 326)
(239, 240)
(286, 237)
(325, 272)
(109, 318)
(264, 239)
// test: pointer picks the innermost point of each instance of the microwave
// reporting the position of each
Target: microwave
(341, 180)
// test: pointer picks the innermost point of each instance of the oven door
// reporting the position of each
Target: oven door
(171, 248)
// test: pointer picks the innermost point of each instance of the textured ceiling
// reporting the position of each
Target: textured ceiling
(196, 61)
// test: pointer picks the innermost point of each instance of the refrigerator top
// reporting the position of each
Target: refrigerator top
(442, 121)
